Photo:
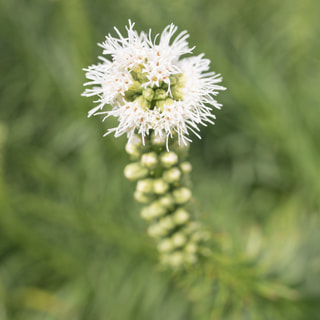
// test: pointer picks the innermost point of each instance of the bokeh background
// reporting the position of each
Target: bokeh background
(72, 245)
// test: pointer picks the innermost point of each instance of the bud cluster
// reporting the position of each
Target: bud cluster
(163, 93)
(163, 187)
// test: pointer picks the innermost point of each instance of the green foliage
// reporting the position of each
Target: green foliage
(72, 245)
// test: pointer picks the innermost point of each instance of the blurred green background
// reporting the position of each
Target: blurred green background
(72, 245)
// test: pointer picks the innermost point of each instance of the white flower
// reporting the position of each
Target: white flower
(150, 88)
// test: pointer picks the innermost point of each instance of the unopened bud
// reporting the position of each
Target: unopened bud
(169, 159)
(155, 231)
(190, 248)
(172, 175)
(182, 195)
(135, 88)
(160, 186)
(142, 102)
(145, 185)
(186, 167)
(163, 104)
(135, 140)
(155, 209)
(149, 160)
(166, 223)
(176, 259)
(132, 150)
(160, 94)
(158, 140)
(148, 94)
(135, 171)
(176, 93)
(165, 245)
(145, 214)
(133, 145)
(181, 216)
(167, 201)
(179, 239)
(142, 197)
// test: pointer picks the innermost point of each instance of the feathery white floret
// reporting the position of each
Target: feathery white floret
(150, 87)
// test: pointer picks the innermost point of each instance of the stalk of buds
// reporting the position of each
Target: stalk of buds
(163, 186)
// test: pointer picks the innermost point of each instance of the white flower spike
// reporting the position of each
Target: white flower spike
(150, 88)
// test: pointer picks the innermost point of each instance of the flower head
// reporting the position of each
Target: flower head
(150, 88)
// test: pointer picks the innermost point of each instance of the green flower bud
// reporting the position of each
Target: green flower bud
(166, 224)
(134, 145)
(149, 160)
(172, 175)
(144, 104)
(176, 259)
(155, 231)
(179, 239)
(186, 167)
(135, 171)
(151, 212)
(136, 87)
(190, 248)
(138, 75)
(145, 185)
(182, 195)
(180, 216)
(167, 201)
(158, 140)
(176, 93)
(142, 197)
(160, 94)
(145, 214)
(136, 140)
(165, 245)
(133, 92)
(173, 79)
(160, 186)
(156, 209)
(162, 104)
(132, 150)
(169, 159)
(177, 84)
(148, 94)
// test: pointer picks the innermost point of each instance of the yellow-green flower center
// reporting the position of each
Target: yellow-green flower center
(156, 96)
